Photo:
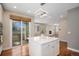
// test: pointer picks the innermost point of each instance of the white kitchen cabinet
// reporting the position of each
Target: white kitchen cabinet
(50, 48)
(44, 47)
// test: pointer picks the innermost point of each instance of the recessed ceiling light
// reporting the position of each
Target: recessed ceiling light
(14, 7)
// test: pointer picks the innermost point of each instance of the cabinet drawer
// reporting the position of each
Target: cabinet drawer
(51, 44)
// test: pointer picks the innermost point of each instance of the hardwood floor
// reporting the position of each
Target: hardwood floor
(16, 51)
(24, 51)
(65, 52)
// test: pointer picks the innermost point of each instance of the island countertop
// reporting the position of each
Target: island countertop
(42, 39)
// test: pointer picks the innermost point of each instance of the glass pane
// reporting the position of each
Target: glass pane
(16, 33)
(25, 32)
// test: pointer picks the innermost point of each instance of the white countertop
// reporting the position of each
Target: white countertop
(42, 39)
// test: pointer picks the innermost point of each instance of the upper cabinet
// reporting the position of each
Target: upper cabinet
(1, 13)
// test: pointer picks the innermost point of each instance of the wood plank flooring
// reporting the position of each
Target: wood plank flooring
(16, 51)
(24, 51)
(65, 52)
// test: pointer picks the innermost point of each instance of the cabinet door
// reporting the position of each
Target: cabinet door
(47, 50)
(50, 49)
(56, 48)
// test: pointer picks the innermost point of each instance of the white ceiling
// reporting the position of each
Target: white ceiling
(55, 10)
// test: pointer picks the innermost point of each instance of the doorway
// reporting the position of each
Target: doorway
(20, 34)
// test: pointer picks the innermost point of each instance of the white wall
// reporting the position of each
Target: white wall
(1, 13)
(46, 20)
(63, 29)
(7, 29)
(70, 24)
(73, 27)
(49, 28)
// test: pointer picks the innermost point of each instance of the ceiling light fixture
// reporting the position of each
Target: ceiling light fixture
(40, 12)
(42, 4)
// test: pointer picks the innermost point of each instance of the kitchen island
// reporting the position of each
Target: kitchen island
(43, 46)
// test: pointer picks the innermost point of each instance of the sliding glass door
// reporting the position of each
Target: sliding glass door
(16, 33)
(20, 33)
(25, 32)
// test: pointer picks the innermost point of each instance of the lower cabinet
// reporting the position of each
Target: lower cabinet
(45, 49)
(51, 48)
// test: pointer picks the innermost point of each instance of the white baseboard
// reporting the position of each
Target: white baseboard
(72, 49)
